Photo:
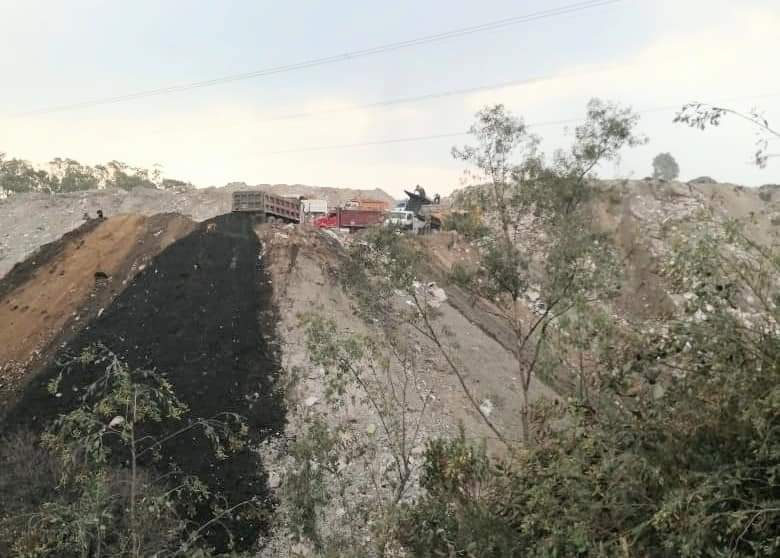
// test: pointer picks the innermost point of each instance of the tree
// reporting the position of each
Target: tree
(700, 115)
(665, 167)
(684, 463)
(71, 176)
(68, 175)
(579, 266)
(19, 176)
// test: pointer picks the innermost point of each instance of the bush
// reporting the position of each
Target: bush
(467, 223)
(96, 483)
(686, 464)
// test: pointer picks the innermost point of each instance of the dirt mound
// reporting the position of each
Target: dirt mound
(200, 313)
(51, 296)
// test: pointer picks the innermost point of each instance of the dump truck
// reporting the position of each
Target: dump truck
(350, 219)
(363, 203)
(268, 207)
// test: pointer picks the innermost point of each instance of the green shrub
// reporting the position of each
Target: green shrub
(467, 223)
(96, 485)
(688, 464)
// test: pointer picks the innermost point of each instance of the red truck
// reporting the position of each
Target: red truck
(350, 219)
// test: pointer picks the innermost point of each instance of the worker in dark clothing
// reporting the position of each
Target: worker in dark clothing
(436, 199)
(419, 191)
(100, 214)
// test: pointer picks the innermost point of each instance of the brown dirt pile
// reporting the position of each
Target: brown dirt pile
(51, 296)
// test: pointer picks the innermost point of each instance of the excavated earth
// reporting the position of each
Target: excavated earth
(55, 293)
(200, 312)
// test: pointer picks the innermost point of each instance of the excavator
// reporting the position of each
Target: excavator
(418, 214)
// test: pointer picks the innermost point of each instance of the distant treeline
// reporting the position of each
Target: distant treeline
(68, 175)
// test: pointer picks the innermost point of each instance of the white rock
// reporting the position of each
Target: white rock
(310, 401)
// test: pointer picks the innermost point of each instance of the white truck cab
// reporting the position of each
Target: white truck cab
(404, 220)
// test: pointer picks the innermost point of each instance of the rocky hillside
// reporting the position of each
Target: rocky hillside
(644, 218)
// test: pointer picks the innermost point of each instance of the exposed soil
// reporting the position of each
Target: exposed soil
(446, 249)
(307, 284)
(303, 264)
(25, 270)
(200, 313)
(52, 295)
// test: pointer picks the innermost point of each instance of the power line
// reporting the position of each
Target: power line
(367, 143)
(435, 136)
(418, 98)
(351, 55)
(465, 133)
(429, 96)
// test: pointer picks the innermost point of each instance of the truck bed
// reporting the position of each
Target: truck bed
(267, 204)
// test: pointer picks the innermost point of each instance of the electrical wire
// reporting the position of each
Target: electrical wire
(465, 133)
(346, 56)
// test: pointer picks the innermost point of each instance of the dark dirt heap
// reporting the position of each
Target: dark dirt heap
(201, 314)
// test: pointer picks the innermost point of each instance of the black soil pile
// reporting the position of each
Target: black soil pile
(201, 314)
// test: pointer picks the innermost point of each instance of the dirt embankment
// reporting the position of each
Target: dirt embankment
(200, 313)
(303, 264)
(50, 297)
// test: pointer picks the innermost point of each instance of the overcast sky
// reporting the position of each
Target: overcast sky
(645, 53)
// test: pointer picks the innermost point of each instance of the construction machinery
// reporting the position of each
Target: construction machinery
(428, 216)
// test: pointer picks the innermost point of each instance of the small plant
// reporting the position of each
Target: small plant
(365, 374)
(305, 484)
(467, 223)
(114, 495)
(462, 276)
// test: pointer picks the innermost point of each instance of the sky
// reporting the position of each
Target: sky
(301, 127)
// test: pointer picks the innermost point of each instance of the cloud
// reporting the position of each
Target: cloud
(732, 58)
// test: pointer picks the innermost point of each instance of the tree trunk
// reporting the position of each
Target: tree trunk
(525, 415)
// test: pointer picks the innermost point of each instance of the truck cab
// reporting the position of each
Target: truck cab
(327, 221)
(404, 220)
